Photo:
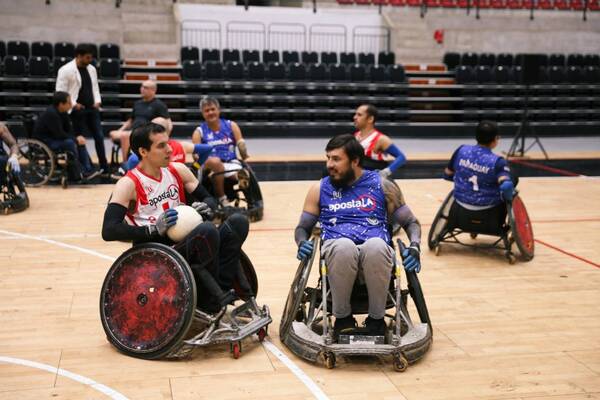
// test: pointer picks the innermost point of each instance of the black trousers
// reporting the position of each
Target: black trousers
(216, 251)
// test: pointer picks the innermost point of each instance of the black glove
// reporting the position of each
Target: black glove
(411, 258)
(204, 210)
(163, 223)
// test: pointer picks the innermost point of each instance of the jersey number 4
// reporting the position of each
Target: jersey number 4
(473, 180)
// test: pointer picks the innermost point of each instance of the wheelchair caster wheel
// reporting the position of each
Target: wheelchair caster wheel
(236, 350)
(262, 333)
(511, 258)
(473, 236)
(329, 360)
(437, 250)
(400, 363)
(63, 182)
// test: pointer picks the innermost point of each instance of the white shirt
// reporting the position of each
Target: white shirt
(69, 80)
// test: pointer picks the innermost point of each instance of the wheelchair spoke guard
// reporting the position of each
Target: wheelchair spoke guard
(147, 301)
(521, 228)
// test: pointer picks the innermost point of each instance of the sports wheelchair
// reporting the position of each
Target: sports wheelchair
(306, 326)
(148, 306)
(40, 165)
(510, 225)
(13, 197)
(241, 188)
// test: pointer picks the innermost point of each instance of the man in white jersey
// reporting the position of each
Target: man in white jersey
(141, 209)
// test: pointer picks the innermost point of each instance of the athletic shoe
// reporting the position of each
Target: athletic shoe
(343, 325)
(375, 327)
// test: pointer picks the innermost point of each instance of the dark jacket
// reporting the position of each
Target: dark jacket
(52, 124)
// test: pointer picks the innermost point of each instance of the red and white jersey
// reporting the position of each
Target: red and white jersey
(154, 196)
(369, 143)
(178, 154)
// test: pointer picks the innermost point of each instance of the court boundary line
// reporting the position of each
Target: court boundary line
(295, 369)
(585, 260)
(110, 392)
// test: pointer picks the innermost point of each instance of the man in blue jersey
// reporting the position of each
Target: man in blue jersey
(224, 136)
(355, 207)
(482, 179)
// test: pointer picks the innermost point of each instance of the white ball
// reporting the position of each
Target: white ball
(187, 220)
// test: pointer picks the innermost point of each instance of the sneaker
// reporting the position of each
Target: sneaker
(88, 176)
(375, 327)
(343, 325)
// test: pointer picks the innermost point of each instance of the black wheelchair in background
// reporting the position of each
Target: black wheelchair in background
(149, 309)
(13, 196)
(508, 225)
(306, 324)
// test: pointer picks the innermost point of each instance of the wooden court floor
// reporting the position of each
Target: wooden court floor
(523, 331)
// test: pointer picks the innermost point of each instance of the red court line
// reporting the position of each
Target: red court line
(545, 167)
(567, 253)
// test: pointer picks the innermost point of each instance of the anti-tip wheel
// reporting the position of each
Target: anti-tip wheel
(262, 333)
(236, 350)
(437, 250)
(473, 236)
(329, 359)
(400, 363)
(511, 258)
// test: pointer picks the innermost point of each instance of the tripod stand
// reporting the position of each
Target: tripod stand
(517, 148)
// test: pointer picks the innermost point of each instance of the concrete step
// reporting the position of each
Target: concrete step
(152, 51)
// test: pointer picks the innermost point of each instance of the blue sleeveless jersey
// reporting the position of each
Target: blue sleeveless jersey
(476, 172)
(357, 212)
(222, 140)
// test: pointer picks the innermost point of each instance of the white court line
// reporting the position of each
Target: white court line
(113, 394)
(305, 379)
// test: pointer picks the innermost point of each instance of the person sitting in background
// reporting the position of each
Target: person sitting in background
(53, 127)
(143, 111)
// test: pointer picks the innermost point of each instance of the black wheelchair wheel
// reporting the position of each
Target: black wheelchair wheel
(37, 162)
(440, 222)
(295, 295)
(148, 301)
(13, 197)
(521, 228)
(253, 196)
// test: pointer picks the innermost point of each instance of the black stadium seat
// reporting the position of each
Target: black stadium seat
(192, 70)
(328, 57)
(465, 75)
(576, 60)
(14, 67)
(310, 57)
(270, 56)
(17, 48)
(210, 55)
(110, 68)
(213, 70)
(42, 49)
(348, 58)
(59, 62)
(488, 59)
(2, 50)
(591, 59)
(575, 75)
(357, 72)
(64, 49)
(297, 72)
(256, 71)
(505, 59)
(290, 57)
(556, 59)
(470, 59)
(234, 70)
(249, 56)
(484, 74)
(386, 58)
(366, 58)
(189, 53)
(502, 74)
(39, 67)
(591, 74)
(378, 73)
(397, 74)
(276, 71)
(317, 72)
(338, 72)
(452, 60)
(556, 75)
(231, 55)
(110, 50)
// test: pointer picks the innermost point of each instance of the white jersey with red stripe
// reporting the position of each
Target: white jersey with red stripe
(369, 143)
(154, 196)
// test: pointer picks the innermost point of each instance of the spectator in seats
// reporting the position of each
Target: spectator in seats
(80, 79)
(54, 128)
(199, 151)
(224, 136)
(377, 145)
(12, 158)
(144, 111)
(482, 179)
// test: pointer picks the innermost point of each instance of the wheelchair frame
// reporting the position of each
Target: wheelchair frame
(407, 341)
(518, 231)
(125, 322)
(13, 196)
(39, 163)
